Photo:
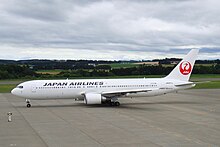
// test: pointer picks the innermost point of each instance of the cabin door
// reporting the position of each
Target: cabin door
(33, 88)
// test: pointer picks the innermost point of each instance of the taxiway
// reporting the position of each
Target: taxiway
(186, 118)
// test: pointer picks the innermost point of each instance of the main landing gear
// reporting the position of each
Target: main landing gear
(113, 102)
(28, 103)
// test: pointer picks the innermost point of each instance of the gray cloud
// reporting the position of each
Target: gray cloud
(124, 29)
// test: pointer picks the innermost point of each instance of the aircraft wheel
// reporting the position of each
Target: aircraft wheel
(112, 103)
(28, 105)
(117, 104)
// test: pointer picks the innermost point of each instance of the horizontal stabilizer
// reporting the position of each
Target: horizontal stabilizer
(185, 84)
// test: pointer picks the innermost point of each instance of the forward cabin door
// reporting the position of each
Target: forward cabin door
(33, 88)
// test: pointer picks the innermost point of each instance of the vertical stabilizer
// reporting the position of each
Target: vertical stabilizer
(184, 69)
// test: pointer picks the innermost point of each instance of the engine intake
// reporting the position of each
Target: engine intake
(93, 98)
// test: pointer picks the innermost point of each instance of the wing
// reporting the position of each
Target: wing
(119, 93)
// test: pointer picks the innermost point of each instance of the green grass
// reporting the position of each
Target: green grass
(168, 65)
(51, 72)
(6, 88)
(128, 65)
(195, 76)
(204, 64)
(208, 85)
(116, 77)
(120, 65)
(205, 76)
(171, 65)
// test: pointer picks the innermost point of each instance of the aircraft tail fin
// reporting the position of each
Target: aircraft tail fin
(184, 69)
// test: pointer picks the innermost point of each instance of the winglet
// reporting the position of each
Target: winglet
(184, 69)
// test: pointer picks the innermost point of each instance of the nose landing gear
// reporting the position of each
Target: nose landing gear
(28, 103)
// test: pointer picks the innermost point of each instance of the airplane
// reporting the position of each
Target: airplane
(108, 91)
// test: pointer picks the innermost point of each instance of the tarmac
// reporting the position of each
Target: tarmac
(186, 118)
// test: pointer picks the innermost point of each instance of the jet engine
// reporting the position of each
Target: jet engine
(94, 98)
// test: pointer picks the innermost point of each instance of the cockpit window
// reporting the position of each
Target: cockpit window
(20, 87)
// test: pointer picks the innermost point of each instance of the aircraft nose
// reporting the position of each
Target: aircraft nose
(13, 91)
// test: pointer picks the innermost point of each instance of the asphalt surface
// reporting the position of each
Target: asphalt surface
(187, 118)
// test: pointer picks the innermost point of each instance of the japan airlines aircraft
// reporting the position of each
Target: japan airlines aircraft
(98, 91)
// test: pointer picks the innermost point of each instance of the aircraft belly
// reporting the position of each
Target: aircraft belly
(150, 93)
(143, 94)
(58, 94)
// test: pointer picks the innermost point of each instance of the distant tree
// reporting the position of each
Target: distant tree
(15, 71)
(103, 67)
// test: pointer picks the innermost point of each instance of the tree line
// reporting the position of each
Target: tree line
(139, 70)
(16, 72)
(37, 64)
(24, 71)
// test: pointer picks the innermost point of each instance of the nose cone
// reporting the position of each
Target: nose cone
(13, 91)
(16, 92)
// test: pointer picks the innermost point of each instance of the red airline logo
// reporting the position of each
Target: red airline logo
(185, 67)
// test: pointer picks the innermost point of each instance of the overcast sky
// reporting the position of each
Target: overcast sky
(109, 30)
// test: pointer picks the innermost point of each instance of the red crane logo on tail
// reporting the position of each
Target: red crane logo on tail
(185, 67)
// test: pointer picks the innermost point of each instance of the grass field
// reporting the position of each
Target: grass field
(204, 64)
(51, 72)
(208, 85)
(125, 65)
(205, 76)
(6, 88)
(128, 65)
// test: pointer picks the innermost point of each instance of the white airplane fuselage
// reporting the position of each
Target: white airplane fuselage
(75, 89)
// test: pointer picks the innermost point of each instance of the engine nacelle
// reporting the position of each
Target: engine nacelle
(93, 98)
